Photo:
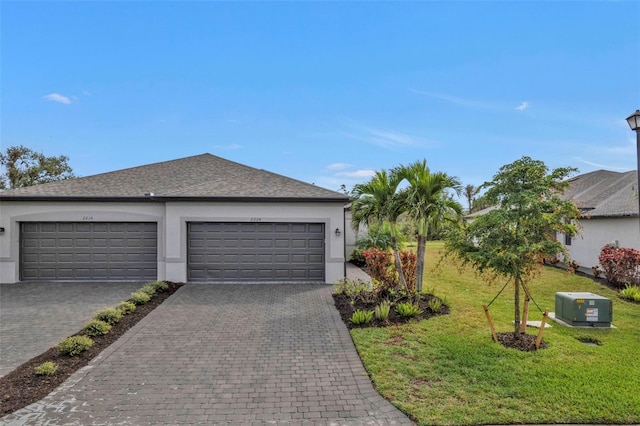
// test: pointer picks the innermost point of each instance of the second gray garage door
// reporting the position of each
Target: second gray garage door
(227, 251)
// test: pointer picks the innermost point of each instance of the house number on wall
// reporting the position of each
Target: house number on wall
(87, 217)
(255, 219)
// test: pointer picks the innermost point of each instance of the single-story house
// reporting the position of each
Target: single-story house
(609, 205)
(195, 219)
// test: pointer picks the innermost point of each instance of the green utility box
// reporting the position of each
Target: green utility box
(584, 309)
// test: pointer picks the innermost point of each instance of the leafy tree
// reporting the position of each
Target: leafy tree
(480, 203)
(379, 201)
(25, 167)
(429, 203)
(512, 240)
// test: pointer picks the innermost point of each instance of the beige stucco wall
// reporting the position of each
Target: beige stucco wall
(595, 233)
(172, 219)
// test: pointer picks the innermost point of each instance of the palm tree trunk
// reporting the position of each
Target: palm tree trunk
(420, 262)
(396, 255)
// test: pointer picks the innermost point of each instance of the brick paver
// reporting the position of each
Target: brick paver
(232, 354)
(36, 316)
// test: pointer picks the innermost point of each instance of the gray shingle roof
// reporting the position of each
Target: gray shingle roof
(605, 194)
(199, 177)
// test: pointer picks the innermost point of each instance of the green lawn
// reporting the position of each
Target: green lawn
(448, 370)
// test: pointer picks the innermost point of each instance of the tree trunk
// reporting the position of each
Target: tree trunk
(420, 262)
(396, 255)
(516, 321)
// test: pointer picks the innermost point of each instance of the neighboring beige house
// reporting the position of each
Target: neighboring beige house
(195, 219)
(609, 205)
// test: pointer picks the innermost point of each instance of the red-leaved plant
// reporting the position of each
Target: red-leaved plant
(381, 267)
(621, 265)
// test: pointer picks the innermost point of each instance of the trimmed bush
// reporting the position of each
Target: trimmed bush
(621, 265)
(149, 289)
(108, 315)
(126, 307)
(139, 298)
(160, 286)
(74, 345)
(96, 328)
(47, 368)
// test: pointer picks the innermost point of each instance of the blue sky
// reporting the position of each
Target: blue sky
(324, 92)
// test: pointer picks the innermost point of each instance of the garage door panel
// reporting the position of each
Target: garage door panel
(255, 251)
(50, 227)
(315, 244)
(302, 258)
(88, 251)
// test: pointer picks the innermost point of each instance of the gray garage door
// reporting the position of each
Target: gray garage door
(88, 251)
(255, 251)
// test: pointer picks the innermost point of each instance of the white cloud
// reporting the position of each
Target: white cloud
(56, 97)
(228, 147)
(86, 93)
(357, 173)
(522, 106)
(603, 166)
(456, 100)
(339, 166)
(389, 139)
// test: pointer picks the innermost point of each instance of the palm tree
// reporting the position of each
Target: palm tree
(429, 203)
(470, 191)
(379, 200)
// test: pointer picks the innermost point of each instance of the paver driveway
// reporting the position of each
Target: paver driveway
(237, 354)
(36, 316)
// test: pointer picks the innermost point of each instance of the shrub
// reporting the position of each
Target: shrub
(361, 317)
(379, 266)
(382, 310)
(631, 292)
(96, 328)
(435, 304)
(378, 237)
(74, 345)
(621, 265)
(149, 289)
(408, 310)
(126, 307)
(160, 286)
(139, 298)
(357, 258)
(47, 368)
(108, 315)
(409, 262)
(354, 289)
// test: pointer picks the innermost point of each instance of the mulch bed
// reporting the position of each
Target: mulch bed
(346, 309)
(22, 386)
(523, 342)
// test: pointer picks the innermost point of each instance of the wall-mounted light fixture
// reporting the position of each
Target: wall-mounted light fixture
(337, 232)
(1, 230)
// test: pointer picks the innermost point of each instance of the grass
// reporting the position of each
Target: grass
(447, 370)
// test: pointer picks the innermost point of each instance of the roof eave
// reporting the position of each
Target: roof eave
(175, 199)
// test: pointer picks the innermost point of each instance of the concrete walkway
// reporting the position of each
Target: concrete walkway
(355, 273)
(225, 354)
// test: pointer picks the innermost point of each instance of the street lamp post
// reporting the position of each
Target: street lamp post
(634, 123)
